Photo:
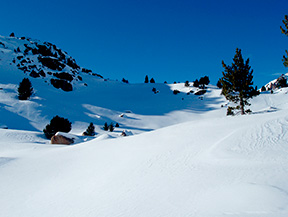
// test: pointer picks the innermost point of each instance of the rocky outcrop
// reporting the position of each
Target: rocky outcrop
(60, 139)
(62, 84)
(44, 60)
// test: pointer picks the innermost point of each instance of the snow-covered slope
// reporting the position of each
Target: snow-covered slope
(41, 60)
(221, 166)
(185, 158)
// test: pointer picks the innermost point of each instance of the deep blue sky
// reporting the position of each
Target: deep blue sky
(173, 40)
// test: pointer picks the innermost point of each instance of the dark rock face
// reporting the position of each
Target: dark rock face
(64, 76)
(34, 74)
(51, 63)
(62, 84)
(86, 70)
(44, 60)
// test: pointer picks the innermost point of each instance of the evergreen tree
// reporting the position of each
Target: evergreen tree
(237, 81)
(57, 124)
(116, 125)
(219, 84)
(111, 127)
(196, 83)
(152, 80)
(263, 88)
(204, 81)
(25, 89)
(90, 130)
(146, 79)
(125, 81)
(105, 126)
(281, 82)
(186, 84)
(285, 32)
(285, 22)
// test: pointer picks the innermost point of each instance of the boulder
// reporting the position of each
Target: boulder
(123, 133)
(60, 139)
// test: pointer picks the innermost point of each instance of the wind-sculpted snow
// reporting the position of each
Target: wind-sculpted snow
(210, 167)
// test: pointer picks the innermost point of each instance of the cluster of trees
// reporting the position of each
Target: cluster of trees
(110, 127)
(201, 82)
(147, 80)
(60, 124)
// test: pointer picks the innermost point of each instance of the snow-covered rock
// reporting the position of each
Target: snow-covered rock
(43, 60)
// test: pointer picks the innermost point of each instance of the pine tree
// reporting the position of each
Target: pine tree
(281, 82)
(105, 127)
(25, 89)
(152, 80)
(186, 84)
(237, 82)
(90, 130)
(196, 83)
(285, 22)
(204, 81)
(285, 32)
(57, 124)
(146, 79)
(263, 88)
(219, 84)
(111, 127)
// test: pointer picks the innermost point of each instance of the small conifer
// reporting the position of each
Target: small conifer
(263, 88)
(196, 83)
(219, 84)
(105, 127)
(111, 127)
(90, 130)
(25, 89)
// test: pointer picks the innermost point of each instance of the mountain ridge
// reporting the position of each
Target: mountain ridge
(43, 60)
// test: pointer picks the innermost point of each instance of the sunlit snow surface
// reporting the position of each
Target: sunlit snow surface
(183, 156)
